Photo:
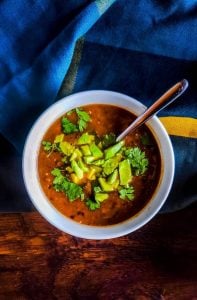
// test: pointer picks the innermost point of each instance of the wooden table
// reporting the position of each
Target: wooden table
(158, 261)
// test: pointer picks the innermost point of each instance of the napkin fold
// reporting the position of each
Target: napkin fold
(50, 49)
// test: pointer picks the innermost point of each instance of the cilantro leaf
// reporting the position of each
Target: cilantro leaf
(82, 125)
(61, 184)
(83, 114)
(108, 140)
(67, 126)
(92, 205)
(97, 189)
(73, 191)
(84, 118)
(137, 159)
(127, 193)
(47, 146)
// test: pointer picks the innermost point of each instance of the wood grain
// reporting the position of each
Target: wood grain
(158, 261)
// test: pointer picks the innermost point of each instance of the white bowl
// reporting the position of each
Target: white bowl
(44, 206)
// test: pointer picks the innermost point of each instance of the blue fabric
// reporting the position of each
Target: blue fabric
(137, 47)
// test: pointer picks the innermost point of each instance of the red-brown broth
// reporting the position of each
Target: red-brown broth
(105, 119)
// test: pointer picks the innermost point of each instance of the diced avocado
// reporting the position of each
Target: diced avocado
(86, 138)
(85, 150)
(96, 152)
(113, 177)
(82, 165)
(106, 187)
(88, 159)
(111, 151)
(97, 169)
(66, 148)
(125, 172)
(78, 171)
(111, 164)
(99, 162)
(59, 138)
(76, 154)
(100, 197)
(91, 174)
(75, 178)
(116, 184)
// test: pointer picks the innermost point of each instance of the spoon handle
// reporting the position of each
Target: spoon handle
(167, 98)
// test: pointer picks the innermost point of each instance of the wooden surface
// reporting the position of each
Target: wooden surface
(158, 261)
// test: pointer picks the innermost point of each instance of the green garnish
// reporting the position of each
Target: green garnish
(84, 118)
(97, 189)
(92, 205)
(111, 164)
(125, 172)
(47, 146)
(111, 151)
(137, 159)
(85, 138)
(67, 126)
(127, 193)
(59, 138)
(61, 184)
(108, 140)
(66, 148)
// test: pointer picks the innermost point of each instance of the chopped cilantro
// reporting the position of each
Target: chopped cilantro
(127, 193)
(61, 184)
(67, 126)
(92, 205)
(97, 189)
(50, 147)
(137, 159)
(84, 118)
(47, 146)
(108, 140)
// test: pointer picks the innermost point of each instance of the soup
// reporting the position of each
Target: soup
(89, 177)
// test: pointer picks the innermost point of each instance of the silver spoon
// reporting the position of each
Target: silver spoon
(168, 97)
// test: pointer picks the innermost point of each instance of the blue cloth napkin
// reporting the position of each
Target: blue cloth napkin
(50, 49)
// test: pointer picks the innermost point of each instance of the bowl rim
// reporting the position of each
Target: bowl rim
(45, 207)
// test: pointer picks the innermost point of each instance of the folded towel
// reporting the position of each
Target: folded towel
(50, 49)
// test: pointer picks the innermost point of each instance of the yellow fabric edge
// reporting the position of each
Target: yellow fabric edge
(180, 126)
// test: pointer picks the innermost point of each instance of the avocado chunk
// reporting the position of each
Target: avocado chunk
(125, 172)
(59, 138)
(96, 151)
(66, 148)
(86, 150)
(111, 164)
(78, 171)
(111, 151)
(113, 177)
(100, 197)
(76, 154)
(86, 138)
(82, 166)
(106, 187)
